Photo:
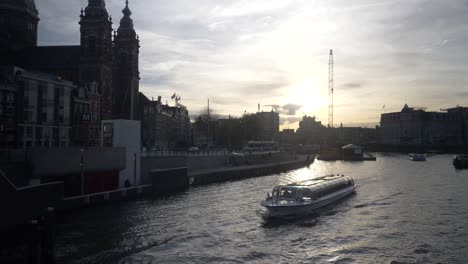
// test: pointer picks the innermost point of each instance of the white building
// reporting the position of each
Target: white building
(125, 133)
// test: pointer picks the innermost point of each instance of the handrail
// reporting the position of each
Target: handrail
(5, 180)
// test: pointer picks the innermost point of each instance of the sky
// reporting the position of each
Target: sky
(276, 53)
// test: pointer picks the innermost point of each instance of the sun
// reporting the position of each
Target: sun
(307, 94)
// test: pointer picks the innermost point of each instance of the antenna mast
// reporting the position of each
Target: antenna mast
(330, 89)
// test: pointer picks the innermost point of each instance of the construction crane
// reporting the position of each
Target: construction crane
(330, 89)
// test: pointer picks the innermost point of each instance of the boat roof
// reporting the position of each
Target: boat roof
(351, 146)
(315, 181)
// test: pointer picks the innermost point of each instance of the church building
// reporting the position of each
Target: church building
(103, 68)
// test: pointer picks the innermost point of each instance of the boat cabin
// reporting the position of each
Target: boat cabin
(310, 190)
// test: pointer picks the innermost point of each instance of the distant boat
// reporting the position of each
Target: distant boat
(418, 157)
(460, 162)
(369, 157)
(301, 198)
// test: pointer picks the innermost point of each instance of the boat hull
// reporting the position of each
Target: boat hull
(460, 162)
(274, 211)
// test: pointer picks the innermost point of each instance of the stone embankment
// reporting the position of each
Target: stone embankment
(206, 176)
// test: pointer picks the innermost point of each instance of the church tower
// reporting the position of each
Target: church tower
(96, 52)
(18, 25)
(126, 75)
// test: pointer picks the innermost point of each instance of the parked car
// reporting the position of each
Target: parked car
(193, 149)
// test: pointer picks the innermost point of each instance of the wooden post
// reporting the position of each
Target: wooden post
(34, 247)
(48, 236)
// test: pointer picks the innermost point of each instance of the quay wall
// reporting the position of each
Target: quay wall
(159, 163)
(415, 148)
(22, 204)
(169, 180)
(162, 181)
(194, 163)
(235, 173)
(78, 202)
(203, 162)
(26, 203)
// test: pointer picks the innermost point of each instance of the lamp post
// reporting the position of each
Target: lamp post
(81, 171)
(135, 170)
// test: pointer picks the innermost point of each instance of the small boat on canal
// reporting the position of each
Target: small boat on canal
(460, 162)
(418, 157)
(301, 198)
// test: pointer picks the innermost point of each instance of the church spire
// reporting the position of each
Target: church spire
(126, 27)
(126, 75)
(126, 22)
(96, 8)
(126, 11)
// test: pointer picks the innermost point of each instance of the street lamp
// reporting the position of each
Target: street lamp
(81, 171)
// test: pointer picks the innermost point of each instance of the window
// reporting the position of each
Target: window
(66, 105)
(28, 132)
(64, 133)
(30, 101)
(108, 131)
(38, 136)
(92, 45)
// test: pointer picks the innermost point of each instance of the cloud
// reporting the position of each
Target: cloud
(275, 107)
(290, 109)
(353, 85)
(289, 120)
(462, 94)
(241, 53)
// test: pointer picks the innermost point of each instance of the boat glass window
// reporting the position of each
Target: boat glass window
(287, 193)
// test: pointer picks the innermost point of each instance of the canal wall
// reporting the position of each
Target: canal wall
(162, 182)
(404, 148)
(26, 203)
(169, 180)
(194, 163)
(202, 177)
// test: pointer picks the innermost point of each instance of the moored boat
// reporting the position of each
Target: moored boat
(300, 198)
(418, 157)
(460, 162)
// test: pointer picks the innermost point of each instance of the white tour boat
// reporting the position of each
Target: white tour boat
(301, 198)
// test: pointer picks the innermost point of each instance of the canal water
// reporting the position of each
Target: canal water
(402, 212)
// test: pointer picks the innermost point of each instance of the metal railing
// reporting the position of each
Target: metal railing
(174, 153)
(13, 155)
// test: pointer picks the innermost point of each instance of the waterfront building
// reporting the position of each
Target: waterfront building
(8, 95)
(288, 137)
(42, 109)
(106, 62)
(179, 126)
(461, 113)
(416, 126)
(163, 126)
(86, 105)
(268, 123)
(154, 123)
(356, 135)
(201, 139)
(311, 131)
